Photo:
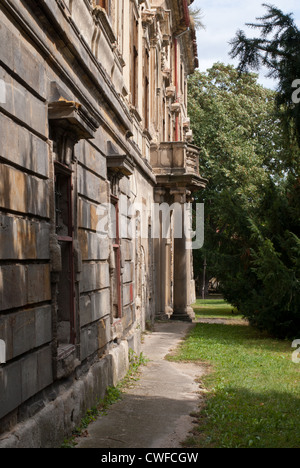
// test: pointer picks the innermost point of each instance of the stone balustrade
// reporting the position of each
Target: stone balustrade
(175, 158)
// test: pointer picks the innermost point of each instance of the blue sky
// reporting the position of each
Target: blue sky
(223, 18)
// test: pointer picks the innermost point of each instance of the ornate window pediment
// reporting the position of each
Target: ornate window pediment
(102, 16)
(117, 163)
(69, 123)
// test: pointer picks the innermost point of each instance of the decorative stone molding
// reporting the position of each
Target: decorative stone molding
(160, 13)
(167, 38)
(121, 164)
(71, 117)
(180, 194)
(176, 108)
(171, 92)
(148, 17)
(189, 136)
(134, 111)
(100, 15)
(167, 73)
(69, 123)
(186, 123)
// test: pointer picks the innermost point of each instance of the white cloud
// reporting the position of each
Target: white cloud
(223, 18)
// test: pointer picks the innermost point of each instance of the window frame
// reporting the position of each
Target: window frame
(64, 171)
(117, 251)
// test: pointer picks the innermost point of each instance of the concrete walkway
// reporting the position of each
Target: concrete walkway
(156, 412)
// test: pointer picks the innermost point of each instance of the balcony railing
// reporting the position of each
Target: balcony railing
(175, 158)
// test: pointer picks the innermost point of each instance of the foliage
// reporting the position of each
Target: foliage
(252, 198)
(135, 362)
(277, 48)
(196, 15)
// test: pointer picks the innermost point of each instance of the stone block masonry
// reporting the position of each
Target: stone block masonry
(24, 378)
(24, 239)
(23, 193)
(18, 285)
(89, 112)
(27, 330)
(60, 410)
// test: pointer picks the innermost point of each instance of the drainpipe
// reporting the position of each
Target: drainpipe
(187, 24)
(176, 86)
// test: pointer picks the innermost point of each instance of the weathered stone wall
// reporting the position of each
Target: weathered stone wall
(94, 302)
(25, 293)
(28, 323)
(67, 107)
(48, 421)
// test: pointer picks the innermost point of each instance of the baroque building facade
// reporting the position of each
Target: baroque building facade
(93, 127)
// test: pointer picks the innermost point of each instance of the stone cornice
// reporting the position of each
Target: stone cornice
(181, 181)
(190, 46)
(178, 16)
(184, 27)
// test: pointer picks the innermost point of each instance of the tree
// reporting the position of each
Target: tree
(252, 199)
(277, 48)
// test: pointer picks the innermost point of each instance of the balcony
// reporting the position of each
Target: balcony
(177, 164)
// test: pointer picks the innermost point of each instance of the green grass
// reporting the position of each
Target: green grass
(252, 392)
(215, 308)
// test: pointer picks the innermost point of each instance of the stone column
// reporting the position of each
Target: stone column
(166, 246)
(182, 262)
(162, 249)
